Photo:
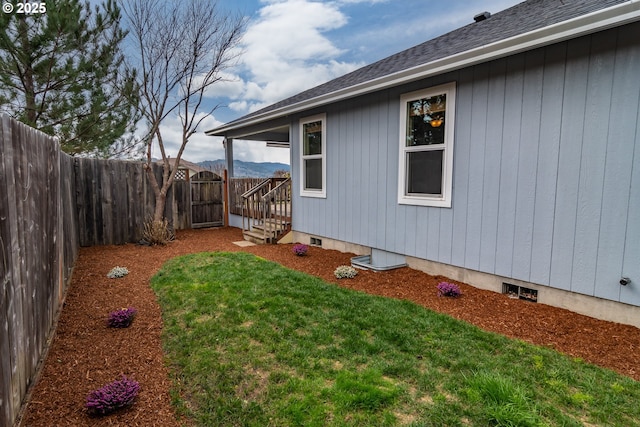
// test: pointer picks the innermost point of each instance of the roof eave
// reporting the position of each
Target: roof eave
(600, 20)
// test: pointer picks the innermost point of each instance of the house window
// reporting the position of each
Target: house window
(313, 155)
(426, 146)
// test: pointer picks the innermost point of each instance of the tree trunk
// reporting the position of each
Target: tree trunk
(27, 73)
(161, 201)
(160, 193)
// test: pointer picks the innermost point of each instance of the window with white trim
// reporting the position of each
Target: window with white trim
(426, 146)
(313, 164)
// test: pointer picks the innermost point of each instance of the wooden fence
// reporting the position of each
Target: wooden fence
(115, 198)
(239, 186)
(50, 205)
(38, 246)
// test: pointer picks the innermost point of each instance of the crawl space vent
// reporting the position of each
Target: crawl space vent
(520, 292)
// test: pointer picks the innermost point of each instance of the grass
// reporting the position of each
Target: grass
(251, 343)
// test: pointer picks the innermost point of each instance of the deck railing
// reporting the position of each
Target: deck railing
(252, 204)
(277, 210)
(266, 208)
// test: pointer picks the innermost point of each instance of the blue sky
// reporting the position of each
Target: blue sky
(292, 45)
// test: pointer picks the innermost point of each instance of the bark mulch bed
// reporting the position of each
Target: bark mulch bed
(85, 354)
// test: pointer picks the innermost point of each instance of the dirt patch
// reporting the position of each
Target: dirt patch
(86, 354)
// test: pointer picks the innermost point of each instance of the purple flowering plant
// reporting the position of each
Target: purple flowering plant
(118, 394)
(121, 318)
(448, 289)
(300, 249)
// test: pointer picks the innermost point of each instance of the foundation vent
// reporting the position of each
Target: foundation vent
(314, 241)
(520, 292)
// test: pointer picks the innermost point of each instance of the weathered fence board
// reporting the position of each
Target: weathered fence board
(181, 205)
(50, 205)
(115, 198)
(38, 246)
(68, 216)
(237, 187)
(206, 200)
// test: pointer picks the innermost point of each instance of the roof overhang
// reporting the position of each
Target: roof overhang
(600, 20)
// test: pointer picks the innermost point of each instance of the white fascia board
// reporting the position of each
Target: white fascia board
(600, 20)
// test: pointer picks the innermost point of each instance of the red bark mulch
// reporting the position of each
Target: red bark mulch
(85, 354)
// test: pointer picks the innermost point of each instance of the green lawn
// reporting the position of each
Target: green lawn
(251, 343)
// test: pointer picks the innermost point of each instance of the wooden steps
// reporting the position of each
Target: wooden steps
(266, 212)
(267, 232)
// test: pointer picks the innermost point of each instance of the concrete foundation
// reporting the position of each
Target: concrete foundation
(587, 305)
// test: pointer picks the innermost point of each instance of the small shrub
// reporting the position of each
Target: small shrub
(121, 318)
(300, 249)
(345, 272)
(448, 289)
(113, 396)
(117, 272)
(157, 232)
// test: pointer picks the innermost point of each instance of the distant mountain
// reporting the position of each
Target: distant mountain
(246, 169)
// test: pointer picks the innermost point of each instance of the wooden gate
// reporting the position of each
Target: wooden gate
(206, 200)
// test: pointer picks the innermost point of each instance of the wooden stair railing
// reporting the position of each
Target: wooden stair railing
(267, 210)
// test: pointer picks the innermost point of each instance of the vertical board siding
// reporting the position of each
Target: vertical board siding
(432, 235)
(336, 131)
(631, 264)
(547, 163)
(509, 165)
(353, 157)
(571, 136)
(390, 203)
(492, 165)
(358, 216)
(462, 162)
(370, 155)
(592, 162)
(477, 138)
(527, 164)
(546, 179)
(618, 167)
(38, 246)
(385, 181)
(631, 261)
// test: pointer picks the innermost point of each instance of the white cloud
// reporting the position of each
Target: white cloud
(230, 86)
(200, 147)
(257, 151)
(239, 106)
(286, 52)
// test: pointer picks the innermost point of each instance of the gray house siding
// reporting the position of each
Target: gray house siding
(546, 179)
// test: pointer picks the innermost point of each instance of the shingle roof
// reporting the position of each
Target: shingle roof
(519, 19)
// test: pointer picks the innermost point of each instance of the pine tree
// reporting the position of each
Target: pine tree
(63, 72)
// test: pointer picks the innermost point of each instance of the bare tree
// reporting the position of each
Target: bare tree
(182, 47)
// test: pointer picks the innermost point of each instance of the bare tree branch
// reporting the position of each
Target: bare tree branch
(182, 49)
